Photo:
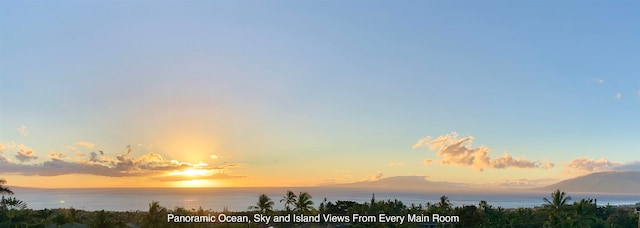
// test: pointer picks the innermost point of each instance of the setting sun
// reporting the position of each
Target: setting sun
(192, 172)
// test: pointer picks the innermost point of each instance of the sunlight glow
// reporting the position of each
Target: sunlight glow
(192, 172)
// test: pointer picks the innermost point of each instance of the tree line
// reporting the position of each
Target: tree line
(555, 211)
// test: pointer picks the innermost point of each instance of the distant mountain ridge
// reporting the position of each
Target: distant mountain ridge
(602, 182)
(406, 183)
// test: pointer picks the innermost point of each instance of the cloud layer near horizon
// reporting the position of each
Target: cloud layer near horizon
(584, 165)
(455, 150)
(149, 165)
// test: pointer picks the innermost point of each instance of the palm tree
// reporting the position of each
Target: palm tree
(3, 189)
(289, 199)
(584, 213)
(264, 204)
(304, 203)
(156, 215)
(557, 206)
(102, 220)
(444, 205)
(558, 200)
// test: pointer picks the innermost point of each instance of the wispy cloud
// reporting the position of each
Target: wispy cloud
(547, 165)
(150, 165)
(25, 154)
(23, 131)
(1, 147)
(523, 183)
(618, 95)
(88, 145)
(374, 177)
(427, 161)
(585, 164)
(630, 166)
(599, 81)
(455, 150)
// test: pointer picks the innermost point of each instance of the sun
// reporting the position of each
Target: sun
(191, 172)
(197, 183)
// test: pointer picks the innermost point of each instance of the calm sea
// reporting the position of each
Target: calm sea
(240, 199)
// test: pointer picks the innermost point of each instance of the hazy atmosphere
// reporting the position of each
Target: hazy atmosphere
(305, 93)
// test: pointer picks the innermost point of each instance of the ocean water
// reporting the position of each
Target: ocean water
(240, 199)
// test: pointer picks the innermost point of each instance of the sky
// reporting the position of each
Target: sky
(305, 93)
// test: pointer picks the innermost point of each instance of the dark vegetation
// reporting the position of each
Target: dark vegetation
(555, 211)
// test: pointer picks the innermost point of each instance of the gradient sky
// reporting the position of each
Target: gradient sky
(295, 93)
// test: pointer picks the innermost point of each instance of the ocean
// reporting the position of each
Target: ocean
(240, 199)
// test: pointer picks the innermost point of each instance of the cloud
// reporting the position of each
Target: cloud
(85, 144)
(618, 95)
(57, 156)
(548, 165)
(374, 177)
(213, 156)
(25, 154)
(396, 164)
(1, 147)
(585, 164)
(23, 131)
(149, 165)
(523, 183)
(454, 150)
(630, 166)
(427, 161)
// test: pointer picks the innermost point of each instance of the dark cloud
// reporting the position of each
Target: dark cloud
(25, 154)
(149, 165)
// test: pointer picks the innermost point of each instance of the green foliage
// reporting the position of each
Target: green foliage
(289, 200)
(264, 204)
(555, 212)
(155, 217)
(557, 208)
(102, 219)
(304, 204)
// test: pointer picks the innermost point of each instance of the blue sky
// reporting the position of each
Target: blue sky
(349, 85)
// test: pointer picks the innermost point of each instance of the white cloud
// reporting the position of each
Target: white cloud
(23, 131)
(618, 95)
(85, 144)
(585, 164)
(213, 156)
(454, 150)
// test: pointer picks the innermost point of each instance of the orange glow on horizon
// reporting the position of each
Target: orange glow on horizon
(191, 172)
